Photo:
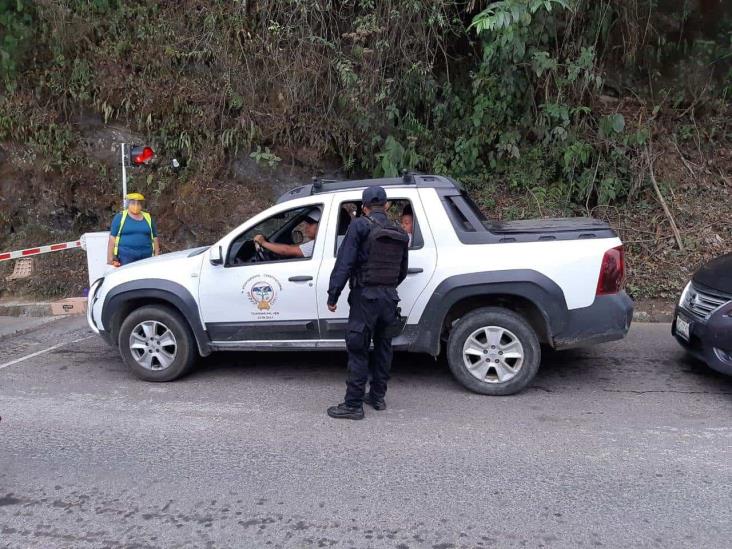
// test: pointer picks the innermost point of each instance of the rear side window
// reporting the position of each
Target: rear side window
(399, 210)
(473, 207)
(461, 214)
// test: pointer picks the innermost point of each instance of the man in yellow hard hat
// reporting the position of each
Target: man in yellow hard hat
(133, 234)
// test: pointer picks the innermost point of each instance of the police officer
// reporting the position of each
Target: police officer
(373, 305)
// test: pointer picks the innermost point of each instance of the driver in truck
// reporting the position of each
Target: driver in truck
(310, 230)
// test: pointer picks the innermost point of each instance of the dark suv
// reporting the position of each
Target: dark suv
(703, 320)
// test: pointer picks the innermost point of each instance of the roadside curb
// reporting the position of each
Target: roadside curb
(20, 308)
(644, 316)
(21, 325)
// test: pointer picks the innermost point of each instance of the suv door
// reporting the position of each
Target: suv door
(422, 260)
(245, 302)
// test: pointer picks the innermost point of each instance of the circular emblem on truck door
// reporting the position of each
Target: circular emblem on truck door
(262, 291)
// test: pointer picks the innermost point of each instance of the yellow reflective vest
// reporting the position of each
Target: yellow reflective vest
(147, 217)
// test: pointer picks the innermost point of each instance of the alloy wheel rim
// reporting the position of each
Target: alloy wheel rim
(493, 354)
(153, 345)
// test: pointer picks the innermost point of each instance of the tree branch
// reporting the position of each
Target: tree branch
(665, 207)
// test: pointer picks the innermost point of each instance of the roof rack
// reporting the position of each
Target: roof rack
(318, 185)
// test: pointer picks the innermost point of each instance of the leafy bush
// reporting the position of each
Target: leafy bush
(16, 20)
(522, 95)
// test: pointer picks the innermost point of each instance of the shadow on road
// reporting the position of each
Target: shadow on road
(321, 363)
(623, 366)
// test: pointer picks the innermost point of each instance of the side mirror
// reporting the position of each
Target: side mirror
(216, 256)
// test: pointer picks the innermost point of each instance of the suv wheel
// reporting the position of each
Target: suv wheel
(493, 351)
(156, 343)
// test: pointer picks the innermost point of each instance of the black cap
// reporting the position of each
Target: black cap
(374, 196)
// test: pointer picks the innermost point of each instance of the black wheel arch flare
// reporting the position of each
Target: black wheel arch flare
(155, 290)
(526, 284)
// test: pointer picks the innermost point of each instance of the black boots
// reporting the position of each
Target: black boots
(343, 411)
(376, 403)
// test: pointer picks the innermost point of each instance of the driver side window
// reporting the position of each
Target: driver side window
(282, 228)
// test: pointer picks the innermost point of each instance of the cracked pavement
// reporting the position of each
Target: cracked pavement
(622, 444)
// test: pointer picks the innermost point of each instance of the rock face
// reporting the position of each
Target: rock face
(279, 179)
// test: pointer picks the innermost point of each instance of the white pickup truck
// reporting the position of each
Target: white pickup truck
(488, 293)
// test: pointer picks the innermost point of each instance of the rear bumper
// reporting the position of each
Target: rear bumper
(607, 319)
(710, 340)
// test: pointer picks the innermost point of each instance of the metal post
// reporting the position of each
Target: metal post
(124, 177)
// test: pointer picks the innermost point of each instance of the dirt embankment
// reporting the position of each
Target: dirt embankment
(42, 207)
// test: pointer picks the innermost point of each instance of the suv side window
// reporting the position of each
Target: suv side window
(283, 228)
(398, 210)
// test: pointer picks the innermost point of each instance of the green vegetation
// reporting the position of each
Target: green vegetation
(503, 95)
(553, 101)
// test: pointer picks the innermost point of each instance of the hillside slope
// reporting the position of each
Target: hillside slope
(542, 108)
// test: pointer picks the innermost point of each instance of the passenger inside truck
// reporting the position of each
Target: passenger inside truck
(399, 211)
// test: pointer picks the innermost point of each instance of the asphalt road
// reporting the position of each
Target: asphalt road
(618, 445)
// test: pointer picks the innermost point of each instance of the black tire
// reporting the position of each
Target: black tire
(185, 348)
(517, 327)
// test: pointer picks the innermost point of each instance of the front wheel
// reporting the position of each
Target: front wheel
(493, 351)
(156, 343)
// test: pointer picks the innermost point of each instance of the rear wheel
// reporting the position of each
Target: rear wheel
(493, 351)
(157, 344)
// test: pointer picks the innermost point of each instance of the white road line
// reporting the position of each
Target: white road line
(21, 359)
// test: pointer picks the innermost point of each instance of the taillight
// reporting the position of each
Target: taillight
(612, 272)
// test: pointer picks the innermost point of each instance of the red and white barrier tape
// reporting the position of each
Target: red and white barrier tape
(40, 250)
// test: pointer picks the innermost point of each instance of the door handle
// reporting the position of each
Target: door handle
(300, 278)
(414, 270)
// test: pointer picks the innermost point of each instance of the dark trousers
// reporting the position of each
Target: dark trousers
(130, 255)
(373, 310)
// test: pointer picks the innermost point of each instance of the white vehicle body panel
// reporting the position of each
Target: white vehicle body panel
(574, 265)
(424, 258)
(224, 296)
(176, 267)
(225, 293)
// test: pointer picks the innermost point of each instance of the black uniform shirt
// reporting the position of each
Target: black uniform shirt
(354, 253)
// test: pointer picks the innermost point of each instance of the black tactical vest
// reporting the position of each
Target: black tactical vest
(387, 245)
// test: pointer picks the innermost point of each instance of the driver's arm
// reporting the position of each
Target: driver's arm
(285, 250)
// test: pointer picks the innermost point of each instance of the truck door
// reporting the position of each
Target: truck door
(254, 298)
(422, 254)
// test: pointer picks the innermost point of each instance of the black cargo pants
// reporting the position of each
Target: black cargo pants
(373, 312)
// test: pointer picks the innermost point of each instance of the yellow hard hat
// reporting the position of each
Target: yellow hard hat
(135, 196)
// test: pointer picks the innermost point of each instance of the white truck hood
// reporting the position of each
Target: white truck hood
(168, 266)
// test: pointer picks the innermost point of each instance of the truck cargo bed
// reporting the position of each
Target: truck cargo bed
(549, 226)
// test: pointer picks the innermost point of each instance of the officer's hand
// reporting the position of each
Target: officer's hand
(259, 239)
(332, 308)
